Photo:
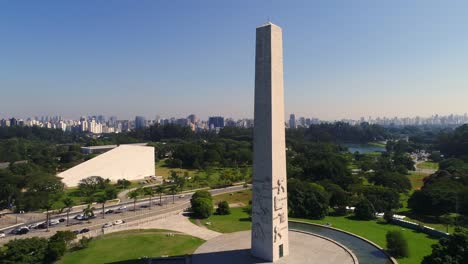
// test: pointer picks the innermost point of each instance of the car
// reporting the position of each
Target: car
(144, 206)
(81, 231)
(2, 235)
(122, 208)
(79, 216)
(61, 220)
(182, 196)
(54, 222)
(42, 226)
(20, 230)
(109, 211)
(34, 226)
(106, 225)
(118, 222)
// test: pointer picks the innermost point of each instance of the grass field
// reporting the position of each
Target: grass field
(241, 197)
(163, 170)
(416, 179)
(128, 246)
(419, 243)
(238, 220)
(430, 165)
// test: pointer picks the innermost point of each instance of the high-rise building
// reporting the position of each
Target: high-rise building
(216, 122)
(192, 118)
(13, 122)
(269, 202)
(292, 121)
(140, 122)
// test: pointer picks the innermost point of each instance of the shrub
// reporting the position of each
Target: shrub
(388, 216)
(55, 250)
(84, 242)
(223, 208)
(202, 194)
(65, 236)
(397, 245)
(202, 207)
(364, 210)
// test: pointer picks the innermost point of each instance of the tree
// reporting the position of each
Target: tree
(307, 200)
(28, 251)
(364, 210)
(134, 195)
(160, 190)
(202, 207)
(68, 205)
(88, 212)
(55, 250)
(150, 192)
(102, 199)
(450, 250)
(65, 236)
(123, 183)
(388, 216)
(88, 186)
(223, 208)
(173, 188)
(397, 245)
(202, 194)
(43, 190)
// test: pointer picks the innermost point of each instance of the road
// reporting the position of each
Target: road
(143, 210)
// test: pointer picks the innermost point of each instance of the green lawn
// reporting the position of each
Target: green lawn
(419, 243)
(129, 246)
(238, 220)
(240, 197)
(416, 179)
(377, 144)
(163, 170)
(428, 165)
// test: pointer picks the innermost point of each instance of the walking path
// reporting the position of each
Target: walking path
(181, 223)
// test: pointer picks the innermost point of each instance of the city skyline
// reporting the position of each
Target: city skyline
(133, 59)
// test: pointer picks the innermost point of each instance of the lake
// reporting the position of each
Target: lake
(363, 148)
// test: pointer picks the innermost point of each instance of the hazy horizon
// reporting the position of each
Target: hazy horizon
(342, 60)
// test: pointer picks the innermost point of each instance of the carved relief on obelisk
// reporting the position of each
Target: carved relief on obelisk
(269, 201)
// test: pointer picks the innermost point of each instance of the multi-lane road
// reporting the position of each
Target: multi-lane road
(125, 213)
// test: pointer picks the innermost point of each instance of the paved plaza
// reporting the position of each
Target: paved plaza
(234, 248)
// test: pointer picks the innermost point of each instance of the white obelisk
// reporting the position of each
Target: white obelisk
(269, 202)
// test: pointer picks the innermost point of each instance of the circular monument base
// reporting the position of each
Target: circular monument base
(303, 248)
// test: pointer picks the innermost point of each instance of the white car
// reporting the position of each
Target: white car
(34, 226)
(119, 222)
(54, 222)
(122, 208)
(2, 234)
(106, 225)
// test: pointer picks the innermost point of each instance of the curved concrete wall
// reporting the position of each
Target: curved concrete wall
(124, 162)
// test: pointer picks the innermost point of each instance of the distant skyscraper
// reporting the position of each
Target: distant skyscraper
(13, 122)
(269, 202)
(192, 118)
(292, 121)
(140, 122)
(215, 122)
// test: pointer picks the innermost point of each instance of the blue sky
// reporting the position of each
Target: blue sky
(342, 59)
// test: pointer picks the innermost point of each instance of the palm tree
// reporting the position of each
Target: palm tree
(134, 195)
(102, 200)
(88, 212)
(160, 190)
(173, 188)
(149, 191)
(69, 203)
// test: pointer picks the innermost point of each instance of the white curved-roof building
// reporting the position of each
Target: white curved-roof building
(130, 162)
